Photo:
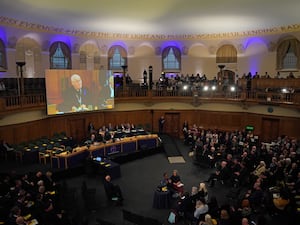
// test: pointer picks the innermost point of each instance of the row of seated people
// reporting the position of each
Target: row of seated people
(172, 183)
(103, 134)
(269, 172)
(257, 202)
(199, 78)
(30, 199)
(36, 198)
(109, 127)
(193, 206)
(211, 213)
(198, 81)
(109, 132)
(196, 207)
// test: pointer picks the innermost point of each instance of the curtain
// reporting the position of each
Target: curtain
(3, 62)
(295, 46)
(281, 52)
(226, 54)
(165, 52)
(53, 48)
(176, 52)
(67, 53)
(122, 52)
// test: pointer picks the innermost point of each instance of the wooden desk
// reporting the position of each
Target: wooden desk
(124, 145)
(67, 160)
(147, 141)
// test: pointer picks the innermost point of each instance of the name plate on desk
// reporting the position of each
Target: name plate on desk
(113, 149)
(96, 143)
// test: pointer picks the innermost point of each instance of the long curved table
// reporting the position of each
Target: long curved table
(133, 144)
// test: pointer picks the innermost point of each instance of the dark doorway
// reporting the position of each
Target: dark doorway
(78, 129)
(172, 124)
(270, 129)
(227, 76)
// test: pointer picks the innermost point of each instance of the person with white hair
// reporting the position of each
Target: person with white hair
(201, 209)
(208, 220)
(222, 174)
(77, 97)
(203, 192)
(261, 168)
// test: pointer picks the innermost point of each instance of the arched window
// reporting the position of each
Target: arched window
(171, 59)
(89, 57)
(288, 55)
(3, 61)
(82, 59)
(60, 56)
(29, 59)
(97, 61)
(29, 51)
(117, 57)
(226, 54)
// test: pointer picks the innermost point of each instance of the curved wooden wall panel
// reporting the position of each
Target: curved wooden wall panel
(149, 120)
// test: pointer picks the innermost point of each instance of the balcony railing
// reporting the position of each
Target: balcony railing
(285, 98)
(19, 103)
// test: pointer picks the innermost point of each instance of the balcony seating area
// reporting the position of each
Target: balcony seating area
(283, 92)
(11, 86)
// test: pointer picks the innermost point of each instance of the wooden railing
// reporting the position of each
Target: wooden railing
(263, 91)
(20, 103)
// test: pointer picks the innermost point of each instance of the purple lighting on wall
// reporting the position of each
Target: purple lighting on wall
(68, 40)
(254, 60)
(171, 44)
(253, 40)
(120, 43)
(3, 36)
(254, 66)
(4, 39)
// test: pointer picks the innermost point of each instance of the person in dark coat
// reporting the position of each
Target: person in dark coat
(113, 191)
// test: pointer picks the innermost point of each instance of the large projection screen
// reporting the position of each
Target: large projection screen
(73, 91)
